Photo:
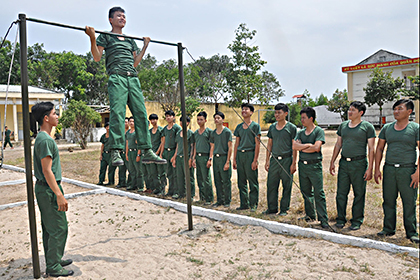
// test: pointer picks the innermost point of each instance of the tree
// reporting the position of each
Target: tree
(413, 91)
(339, 103)
(381, 88)
(81, 119)
(244, 82)
(213, 79)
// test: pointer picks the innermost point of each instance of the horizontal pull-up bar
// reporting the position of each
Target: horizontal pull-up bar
(97, 31)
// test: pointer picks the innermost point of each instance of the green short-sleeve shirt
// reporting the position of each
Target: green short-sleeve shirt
(104, 140)
(247, 136)
(170, 135)
(131, 139)
(45, 146)
(401, 144)
(221, 141)
(202, 141)
(7, 133)
(180, 142)
(282, 139)
(355, 138)
(156, 138)
(118, 53)
(316, 135)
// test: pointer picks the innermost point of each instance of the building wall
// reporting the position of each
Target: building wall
(358, 80)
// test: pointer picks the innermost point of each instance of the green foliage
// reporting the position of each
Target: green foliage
(243, 79)
(81, 119)
(382, 87)
(294, 113)
(192, 105)
(339, 103)
(213, 79)
(269, 117)
(413, 92)
(161, 83)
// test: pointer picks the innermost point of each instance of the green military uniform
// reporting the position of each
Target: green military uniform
(124, 89)
(53, 222)
(280, 162)
(7, 138)
(202, 147)
(106, 162)
(168, 153)
(155, 172)
(122, 169)
(244, 158)
(134, 167)
(222, 178)
(180, 172)
(399, 166)
(352, 167)
(310, 176)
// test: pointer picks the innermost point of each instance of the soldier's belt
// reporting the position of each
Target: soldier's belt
(202, 154)
(42, 183)
(169, 149)
(244, 151)
(106, 152)
(282, 157)
(132, 150)
(219, 155)
(124, 73)
(397, 165)
(353, 158)
(311, 161)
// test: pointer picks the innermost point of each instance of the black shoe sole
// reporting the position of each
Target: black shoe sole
(385, 234)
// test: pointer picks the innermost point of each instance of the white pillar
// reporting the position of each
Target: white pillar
(15, 121)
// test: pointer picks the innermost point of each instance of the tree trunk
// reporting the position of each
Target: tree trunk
(380, 117)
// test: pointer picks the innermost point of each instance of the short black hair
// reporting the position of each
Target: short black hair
(188, 119)
(202, 114)
(310, 112)
(106, 124)
(153, 117)
(282, 106)
(248, 106)
(218, 113)
(127, 118)
(113, 10)
(170, 113)
(360, 106)
(40, 110)
(409, 104)
(130, 118)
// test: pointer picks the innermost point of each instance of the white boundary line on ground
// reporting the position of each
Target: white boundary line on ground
(274, 227)
(13, 182)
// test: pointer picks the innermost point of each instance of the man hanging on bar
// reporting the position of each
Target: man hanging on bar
(123, 86)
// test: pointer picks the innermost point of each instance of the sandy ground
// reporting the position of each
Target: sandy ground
(113, 237)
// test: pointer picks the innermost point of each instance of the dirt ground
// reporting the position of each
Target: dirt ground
(113, 237)
(84, 165)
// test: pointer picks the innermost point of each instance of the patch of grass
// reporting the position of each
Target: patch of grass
(194, 260)
(365, 268)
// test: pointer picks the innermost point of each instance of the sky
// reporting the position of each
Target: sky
(304, 42)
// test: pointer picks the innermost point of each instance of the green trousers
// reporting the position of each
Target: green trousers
(135, 169)
(397, 180)
(222, 180)
(126, 90)
(180, 178)
(54, 227)
(275, 174)
(122, 172)
(246, 174)
(312, 186)
(155, 172)
(7, 141)
(351, 173)
(106, 163)
(205, 188)
(170, 171)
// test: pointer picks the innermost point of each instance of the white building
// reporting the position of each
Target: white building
(358, 77)
(14, 116)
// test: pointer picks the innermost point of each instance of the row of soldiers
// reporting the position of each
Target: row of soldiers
(213, 148)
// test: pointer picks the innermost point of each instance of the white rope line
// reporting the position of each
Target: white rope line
(7, 94)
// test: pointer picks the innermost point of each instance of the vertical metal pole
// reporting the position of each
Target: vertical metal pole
(185, 136)
(27, 144)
